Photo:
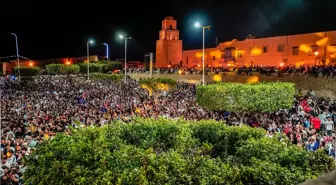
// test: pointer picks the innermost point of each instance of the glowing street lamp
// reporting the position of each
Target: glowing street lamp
(17, 54)
(88, 58)
(125, 38)
(198, 25)
(107, 51)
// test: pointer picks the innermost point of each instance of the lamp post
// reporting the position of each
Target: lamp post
(316, 53)
(125, 38)
(17, 54)
(88, 58)
(107, 51)
(197, 24)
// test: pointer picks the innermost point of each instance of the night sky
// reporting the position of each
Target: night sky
(52, 29)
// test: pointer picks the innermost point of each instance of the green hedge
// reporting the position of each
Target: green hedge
(54, 69)
(237, 97)
(171, 152)
(108, 77)
(100, 67)
(158, 83)
(27, 71)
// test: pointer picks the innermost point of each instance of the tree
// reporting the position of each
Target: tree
(237, 97)
(163, 151)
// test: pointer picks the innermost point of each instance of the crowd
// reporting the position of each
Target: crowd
(36, 110)
(313, 71)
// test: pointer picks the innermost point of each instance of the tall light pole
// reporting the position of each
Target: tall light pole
(107, 51)
(125, 38)
(88, 58)
(17, 54)
(197, 24)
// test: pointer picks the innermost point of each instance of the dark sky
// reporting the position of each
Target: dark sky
(51, 29)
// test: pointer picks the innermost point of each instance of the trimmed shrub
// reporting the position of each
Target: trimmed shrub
(94, 67)
(108, 77)
(54, 69)
(237, 97)
(111, 66)
(163, 151)
(27, 71)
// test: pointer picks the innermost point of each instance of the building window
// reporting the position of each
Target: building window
(312, 50)
(265, 49)
(240, 55)
(170, 27)
(213, 57)
(295, 51)
(281, 47)
(332, 48)
(223, 55)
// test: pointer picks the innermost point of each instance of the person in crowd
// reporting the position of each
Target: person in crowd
(37, 110)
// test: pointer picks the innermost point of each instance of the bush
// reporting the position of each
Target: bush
(27, 71)
(111, 66)
(158, 83)
(171, 152)
(236, 97)
(108, 77)
(54, 69)
(100, 67)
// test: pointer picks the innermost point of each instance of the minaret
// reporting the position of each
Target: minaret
(168, 47)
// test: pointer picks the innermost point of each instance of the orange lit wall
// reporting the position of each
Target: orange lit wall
(293, 50)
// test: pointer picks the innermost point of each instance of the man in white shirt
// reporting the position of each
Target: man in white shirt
(329, 126)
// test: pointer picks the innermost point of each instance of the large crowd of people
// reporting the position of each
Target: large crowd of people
(36, 110)
(313, 71)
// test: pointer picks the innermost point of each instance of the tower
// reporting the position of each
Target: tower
(169, 46)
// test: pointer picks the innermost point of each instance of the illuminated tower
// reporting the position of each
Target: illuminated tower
(168, 47)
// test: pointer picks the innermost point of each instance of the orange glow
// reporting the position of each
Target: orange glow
(333, 55)
(180, 71)
(199, 54)
(331, 49)
(323, 41)
(252, 79)
(228, 64)
(304, 48)
(282, 64)
(215, 53)
(320, 34)
(217, 78)
(168, 65)
(31, 64)
(68, 63)
(316, 53)
(256, 51)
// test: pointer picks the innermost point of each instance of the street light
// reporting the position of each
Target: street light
(17, 54)
(88, 58)
(125, 38)
(198, 25)
(107, 51)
